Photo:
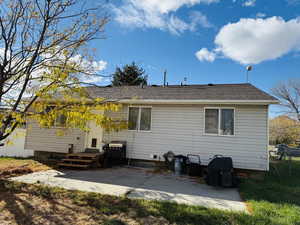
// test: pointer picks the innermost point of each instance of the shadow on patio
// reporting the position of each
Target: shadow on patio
(141, 183)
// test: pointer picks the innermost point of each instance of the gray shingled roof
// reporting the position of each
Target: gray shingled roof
(189, 92)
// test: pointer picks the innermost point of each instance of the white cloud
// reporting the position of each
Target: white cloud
(159, 14)
(249, 3)
(165, 6)
(204, 55)
(90, 66)
(37, 76)
(260, 15)
(197, 18)
(251, 41)
(176, 25)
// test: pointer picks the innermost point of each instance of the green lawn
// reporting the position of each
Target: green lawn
(277, 196)
(273, 199)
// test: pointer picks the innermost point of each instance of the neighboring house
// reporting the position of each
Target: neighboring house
(15, 146)
(227, 119)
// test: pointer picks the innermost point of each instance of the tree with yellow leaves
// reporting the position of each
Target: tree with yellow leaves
(284, 130)
(44, 63)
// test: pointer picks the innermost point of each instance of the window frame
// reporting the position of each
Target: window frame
(139, 118)
(219, 122)
(55, 122)
(59, 125)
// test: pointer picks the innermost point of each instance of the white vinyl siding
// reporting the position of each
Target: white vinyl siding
(180, 129)
(16, 147)
(47, 140)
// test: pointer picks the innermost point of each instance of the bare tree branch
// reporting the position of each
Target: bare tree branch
(37, 39)
(289, 95)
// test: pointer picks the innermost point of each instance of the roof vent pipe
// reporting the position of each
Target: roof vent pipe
(165, 77)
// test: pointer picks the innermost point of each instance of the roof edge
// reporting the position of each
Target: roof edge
(197, 101)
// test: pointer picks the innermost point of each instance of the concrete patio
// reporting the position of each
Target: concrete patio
(140, 183)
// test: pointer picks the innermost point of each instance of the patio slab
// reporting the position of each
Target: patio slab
(140, 183)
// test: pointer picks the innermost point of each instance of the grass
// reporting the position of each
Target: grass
(274, 199)
(277, 195)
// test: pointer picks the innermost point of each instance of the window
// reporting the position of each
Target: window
(219, 121)
(145, 122)
(211, 121)
(133, 118)
(60, 120)
(139, 118)
(227, 122)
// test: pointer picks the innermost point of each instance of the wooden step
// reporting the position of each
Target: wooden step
(73, 165)
(78, 160)
(83, 155)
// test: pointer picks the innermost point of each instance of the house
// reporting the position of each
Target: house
(226, 119)
(14, 145)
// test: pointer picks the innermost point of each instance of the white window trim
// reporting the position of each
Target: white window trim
(219, 122)
(139, 118)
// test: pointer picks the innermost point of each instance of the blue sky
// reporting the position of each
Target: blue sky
(207, 41)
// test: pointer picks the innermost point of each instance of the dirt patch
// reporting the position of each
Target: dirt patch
(36, 204)
(151, 220)
(23, 208)
(13, 172)
(10, 167)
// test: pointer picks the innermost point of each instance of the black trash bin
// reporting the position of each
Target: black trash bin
(114, 154)
(220, 172)
(169, 160)
(193, 165)
(183, 162)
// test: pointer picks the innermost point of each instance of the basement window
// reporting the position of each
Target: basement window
(219, 121)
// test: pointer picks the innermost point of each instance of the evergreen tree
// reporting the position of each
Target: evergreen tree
(130, 74)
